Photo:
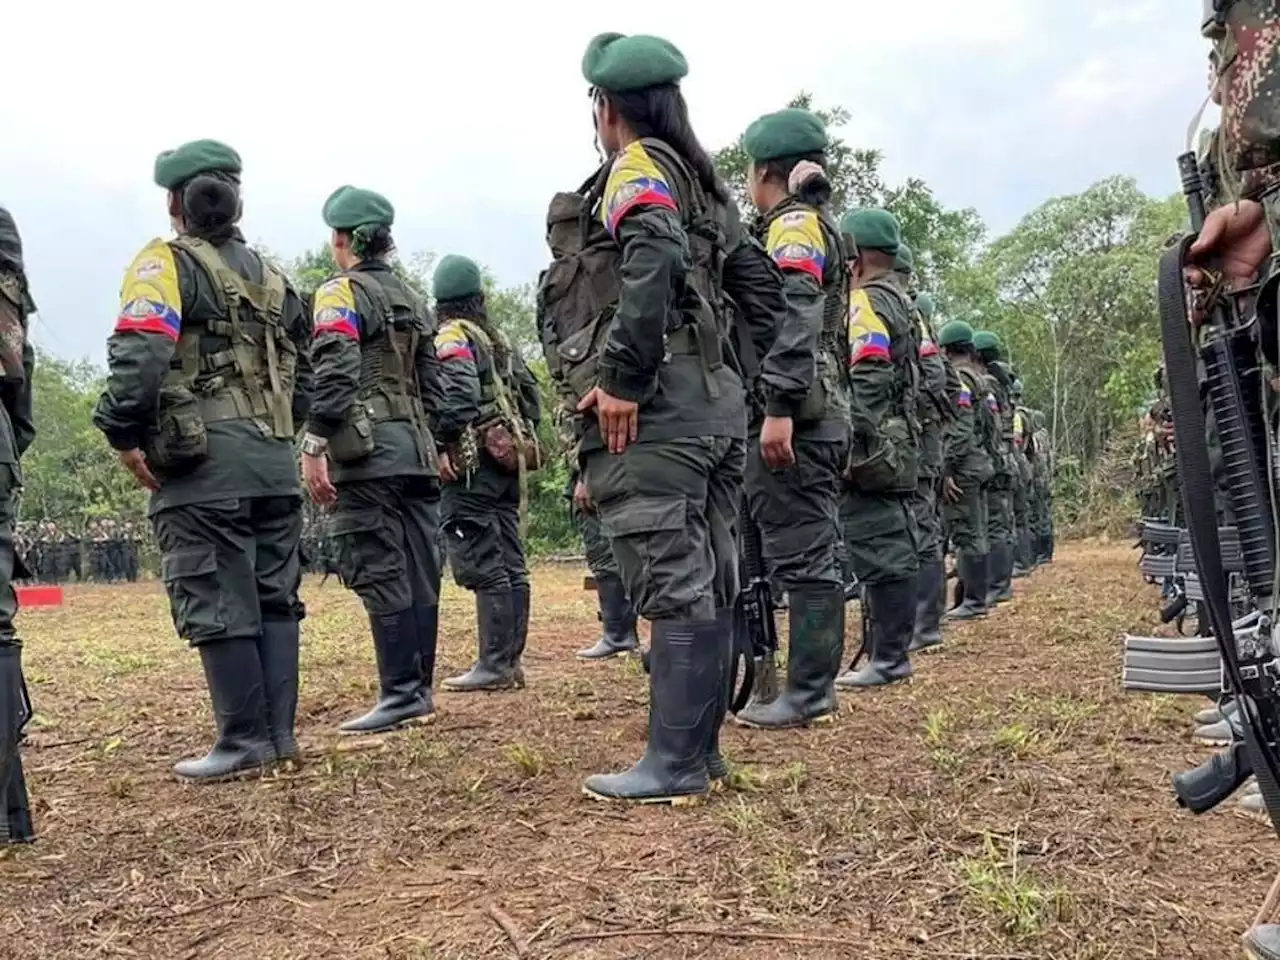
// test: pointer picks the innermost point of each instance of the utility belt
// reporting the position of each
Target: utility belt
(355, 439)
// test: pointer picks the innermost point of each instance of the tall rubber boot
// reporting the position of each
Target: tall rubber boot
(278, 651)
(428, 639)
(815, 644)
(619, 620)
(1022, 560)
(495, 627)
(398, 650)
(717, 766)
(684, 685)
(893, 613)
(973, 575)
(1263, 942)
(233, 671)
(999, 573)
(520, 600)
(15, 808)
(930, 584)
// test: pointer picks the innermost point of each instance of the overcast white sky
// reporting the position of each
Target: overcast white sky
(469, 118)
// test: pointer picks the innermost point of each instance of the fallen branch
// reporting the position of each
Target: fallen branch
(719, 933)
(509, 928)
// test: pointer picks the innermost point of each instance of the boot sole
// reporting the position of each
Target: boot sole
(819, 721)
(248, 773)
(684, 800)
(422, 721)
(906, 681)
(620, 655)
(1211, 742)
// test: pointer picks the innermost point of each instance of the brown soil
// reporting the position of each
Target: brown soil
(1011, 803)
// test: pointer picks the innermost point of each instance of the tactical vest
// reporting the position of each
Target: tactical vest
(831, 387)
(500, 401)
(240, 363)
(578, 293)
(388, 385)
(987, 425)
(13, 328)
(1004, 425)
(904, 353)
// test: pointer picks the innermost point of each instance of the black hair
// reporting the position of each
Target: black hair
(661, 113)
(815, 191)
(370, 241)
(463, 308)
(959, 349)
(210, 206)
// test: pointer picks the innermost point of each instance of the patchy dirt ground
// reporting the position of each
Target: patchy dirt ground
(1011, 803)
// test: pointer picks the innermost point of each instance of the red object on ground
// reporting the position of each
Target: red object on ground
(39, 597)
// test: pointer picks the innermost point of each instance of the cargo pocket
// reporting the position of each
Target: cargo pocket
(651, 542)
(364, 556)
(191, 579)
(475, 551)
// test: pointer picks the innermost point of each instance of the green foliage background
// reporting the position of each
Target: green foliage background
(1070, 290)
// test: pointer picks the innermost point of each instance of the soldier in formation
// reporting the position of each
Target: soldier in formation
(617, 617)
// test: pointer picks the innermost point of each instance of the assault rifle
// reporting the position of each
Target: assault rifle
(756, 629)
(1229, 352)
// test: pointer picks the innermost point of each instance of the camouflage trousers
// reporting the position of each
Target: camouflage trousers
(1000, 525)
(924, 505)
(880, 536)
(595, 545)
(965, 520)
(384, 532)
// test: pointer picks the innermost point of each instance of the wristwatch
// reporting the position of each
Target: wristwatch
(314, 446)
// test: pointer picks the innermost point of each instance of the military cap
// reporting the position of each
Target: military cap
(925, 304)
(787, 133)
(350, 207)
(176, 167)
(955, 332)
(873, 229)
(619, 63)
(456, 278)
(904, 261)
(985, 340)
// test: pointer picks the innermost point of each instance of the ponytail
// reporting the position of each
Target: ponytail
(661, 113)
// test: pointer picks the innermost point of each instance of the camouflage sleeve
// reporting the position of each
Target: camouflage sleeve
(142, 345)
(754, 283)
(796, 243)
(338, 329)
(21, 412)
(459, 382)
(530, 391)
(427, 369)
(872, 375)
(958, 435)
(297, 319)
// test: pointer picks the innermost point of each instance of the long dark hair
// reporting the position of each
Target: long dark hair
(661, 112)
(210, 205)
(816, 191)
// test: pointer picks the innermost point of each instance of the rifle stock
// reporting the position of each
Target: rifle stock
(758, 626)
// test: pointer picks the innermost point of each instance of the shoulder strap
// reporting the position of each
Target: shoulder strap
(373, 290)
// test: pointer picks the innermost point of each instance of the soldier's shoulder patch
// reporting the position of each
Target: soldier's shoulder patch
(635, 180)
(928, 346)
(964, 399)
(334, 310)
(452, 343)
(150, 298)
(868, 336)
(795, 242)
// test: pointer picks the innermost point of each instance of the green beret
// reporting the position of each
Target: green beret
(620, 64)
(955, 332)
(456, 278)
(925, 304)
(350, 207)
(985, 340)
(904, 261)
(787, 133)
(176, 167)
(873, 229)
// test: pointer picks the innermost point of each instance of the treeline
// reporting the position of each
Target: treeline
(1070, 290)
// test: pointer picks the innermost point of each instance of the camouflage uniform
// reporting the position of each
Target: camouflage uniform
(617, 616)
(1000, 516)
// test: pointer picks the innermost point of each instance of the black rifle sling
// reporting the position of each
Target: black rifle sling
(1199, 506)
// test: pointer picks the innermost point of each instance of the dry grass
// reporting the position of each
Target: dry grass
(1010, 803)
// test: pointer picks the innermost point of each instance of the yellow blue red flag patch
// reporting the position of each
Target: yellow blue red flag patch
(635, 181)
(150, 301)
(868, 336)
(452, 343)
(795, 242)
(335, 310)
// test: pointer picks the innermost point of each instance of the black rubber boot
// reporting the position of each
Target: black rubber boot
(520, 600)
(973, 575)
(1023, 563)
(15, 808)
(619, 621)
(684, 685)
(428, 639)
(278, 651)
(815, 644)
(400, 692)
(893, 614)
(495, 625)
(930, 584)
(717, 767)
(233, 671)
(999, 575)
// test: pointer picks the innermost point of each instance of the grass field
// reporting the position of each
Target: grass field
(1011, 803)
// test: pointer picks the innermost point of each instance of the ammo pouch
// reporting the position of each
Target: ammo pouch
(512, 448)
(179, 440)
(354, 439)
(827, 391)
(886, 461)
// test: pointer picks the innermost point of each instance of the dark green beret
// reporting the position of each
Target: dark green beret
(176, 167)
(904, 261)
(873, 229)
(787, 133)
(350, 207)
(456, 278)
(985, 340)
(620, 64)
(925, 304)
(955, 332)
